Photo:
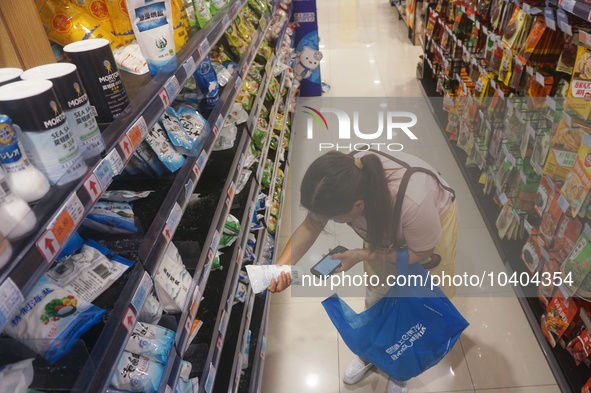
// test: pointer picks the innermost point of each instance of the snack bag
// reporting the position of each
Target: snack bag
(136, 373)
(181, 36)
(151, 341)
(561, 311)
(556, 209)
(533, 253)
(120, 20)
(579, 92)
(568, 232)
(51, 320)
(66, 23)
(563, 151)
(578, 181)
(545, 194)
(98, 9)
(580, 347)
(164, 149)
(202, 12)
(576, 267)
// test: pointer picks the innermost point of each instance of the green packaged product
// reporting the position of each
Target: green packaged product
(243, 28)
(264, 114)
(274, 142)
(231, 231)
(238, 45)
(259, 138)
(250, 18)
(202, 12)
(274, 209)
(258, 6)
(264, 54)
(273, 89)
(278, 123)
(216, 5)
(272, 225)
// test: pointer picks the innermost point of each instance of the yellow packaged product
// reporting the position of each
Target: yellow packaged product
(98, 9)
(563, 151)
(180, 32)
(66, 23)
(120, 20)
(579, 92)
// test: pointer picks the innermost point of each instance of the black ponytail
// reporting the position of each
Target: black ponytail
(334, 182)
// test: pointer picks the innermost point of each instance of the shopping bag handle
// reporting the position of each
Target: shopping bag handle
(402, 261)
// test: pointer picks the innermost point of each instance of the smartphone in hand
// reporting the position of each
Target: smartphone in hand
(327, 266)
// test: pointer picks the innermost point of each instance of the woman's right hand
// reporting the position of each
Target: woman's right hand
(281, 284)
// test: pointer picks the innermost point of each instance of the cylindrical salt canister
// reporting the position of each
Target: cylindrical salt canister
(44, 129)
(100, 76)
(74, 100)
(9, 75)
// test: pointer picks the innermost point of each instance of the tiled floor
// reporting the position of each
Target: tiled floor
(367, 54)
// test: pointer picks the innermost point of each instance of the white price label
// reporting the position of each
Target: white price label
(563, 203)
(190, 66)
(210, 378)
(503, 199)
(172, 87)
(116, 162)
(528, 227)
(531, 131)
(585, 37)
(551, 24)
(523, 177)
(174, 217)
(226, 22)
(142, 291)
(540, 79)
(10, 300)
(215, 241)
(567, 119)
(544, 254)
(104, 173)
(203, 48)
(550, 103)
(566, 28)
(224, 322)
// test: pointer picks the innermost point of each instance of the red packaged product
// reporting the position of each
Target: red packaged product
(580, 347)
(546, 192)
(531, 254)
(561, 311)
(586, 387)
(566, 237)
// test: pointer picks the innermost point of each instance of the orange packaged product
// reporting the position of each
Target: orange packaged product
(545, 292)
(98, 9)
(579, 92)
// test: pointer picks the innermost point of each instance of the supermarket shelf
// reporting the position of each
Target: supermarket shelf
(62, 210)
(261, 348)
(225, 312)
(508, 251)
(164, 226)
(236, 369)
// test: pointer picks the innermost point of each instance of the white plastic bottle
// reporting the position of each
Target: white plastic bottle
(16, 217)
(22, 177)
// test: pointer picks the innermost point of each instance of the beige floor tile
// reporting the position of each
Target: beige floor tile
(500, 348)
(529, 389)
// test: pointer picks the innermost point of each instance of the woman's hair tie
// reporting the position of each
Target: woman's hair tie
(358, 163)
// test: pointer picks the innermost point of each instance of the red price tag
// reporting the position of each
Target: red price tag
(164, 98)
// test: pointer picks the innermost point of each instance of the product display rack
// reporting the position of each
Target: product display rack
(569, 377)
(123, 304)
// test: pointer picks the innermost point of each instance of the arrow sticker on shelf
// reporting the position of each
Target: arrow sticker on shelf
(190, 66)
(126, 147)
(93, 187)
(128, 320)
(164, 98)
(167, 233)
(48, 246)
(10, 300)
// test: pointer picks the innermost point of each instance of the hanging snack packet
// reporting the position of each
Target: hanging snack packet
(563, 151)
(545, 292)
(576, 267)
(172, 281)
(195, 125)
(207, 81)
(98, 9)
(179, 24)
(120, 22)
(66, 23)
(556, 209)
(135, 373)
(580, 347)
(580, 85)
(90, 272)
(568, 232)
(202, 12)
(111, 217)
(578, 181)
(151, 341)
(51, 320)
(222, 73)
(561, 311)
(533, 253)
(187, 385)
(546, 192)
(175, 130)
(165, 151)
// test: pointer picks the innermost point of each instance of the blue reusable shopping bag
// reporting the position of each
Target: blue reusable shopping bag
(405, 333)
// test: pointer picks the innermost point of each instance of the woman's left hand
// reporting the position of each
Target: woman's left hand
(350, 258)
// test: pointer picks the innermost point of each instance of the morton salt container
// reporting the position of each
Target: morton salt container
(100, 76)
(44, 129)
(74, 101)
